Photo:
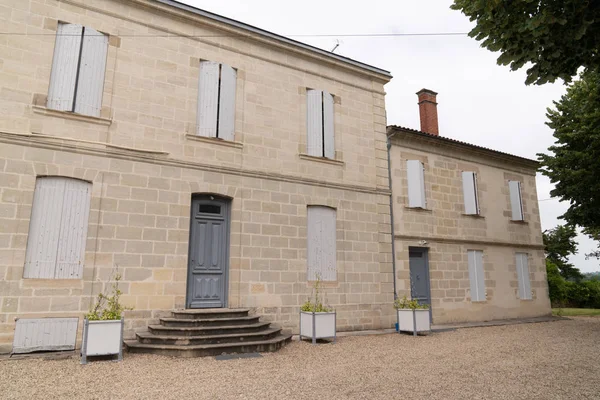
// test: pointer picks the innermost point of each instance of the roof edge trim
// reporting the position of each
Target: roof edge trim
(271, 35)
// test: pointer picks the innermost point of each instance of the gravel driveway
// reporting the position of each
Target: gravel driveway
(551, 360)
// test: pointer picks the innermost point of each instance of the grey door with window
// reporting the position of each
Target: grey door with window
(419, 275)
(208, 260)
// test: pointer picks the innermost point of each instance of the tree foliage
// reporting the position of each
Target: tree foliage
(573, 164)
(557, 37)
(559, 245)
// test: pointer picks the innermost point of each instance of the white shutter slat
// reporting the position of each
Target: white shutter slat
(469, 180)
(476, 275)
(63, 76)
(328, 125)
(328, 243)
(90, 85)
(73, 230)
(515, 200)
(314, 123)
(522, 262)
(42, 242)
(208, 93)
(416, 183)
(321, 250)
(227, 103)
(313, 236)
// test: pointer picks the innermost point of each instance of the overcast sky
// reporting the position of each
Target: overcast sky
(479, 102)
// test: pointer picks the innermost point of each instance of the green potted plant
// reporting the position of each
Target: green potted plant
(103, 325)
(317, 320)
(412, 316)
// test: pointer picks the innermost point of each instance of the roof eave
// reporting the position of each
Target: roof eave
(271, 35)
(452, 143)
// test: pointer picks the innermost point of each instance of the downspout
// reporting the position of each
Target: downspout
(389, 146)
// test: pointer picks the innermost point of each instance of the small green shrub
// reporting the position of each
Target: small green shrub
(315, 304)
(108, 307)
(404, 303)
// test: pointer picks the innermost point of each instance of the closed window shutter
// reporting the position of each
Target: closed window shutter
(516, 202)
(476, 275)
(469, 180)
(44, 228)
(208, 98)
(416, 183)
(73, 229)
(328, 125)
(227, 103)
(321, 248)
(522, 261)
(63, 77)
(314, 123)
(90, 85)
(57, 229)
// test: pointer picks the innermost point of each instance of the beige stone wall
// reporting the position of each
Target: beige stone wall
(144, 165)
(449, 233)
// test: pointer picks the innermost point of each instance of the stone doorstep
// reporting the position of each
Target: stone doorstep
(497, 322)
(451, 327)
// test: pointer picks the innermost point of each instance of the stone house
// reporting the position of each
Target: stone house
(217, 165)
(467, 230)
(212, 163)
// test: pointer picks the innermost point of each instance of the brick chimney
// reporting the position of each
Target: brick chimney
(428, 111)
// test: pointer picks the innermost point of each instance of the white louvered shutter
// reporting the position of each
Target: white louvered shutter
(321, 234)
(63, 77)
(90, 85)
(328, 241)
(476, 275)
(227, 103)
(522, 261)
(314, 123)
(416, 183)
(469, 180)
(73, 229)
(44, 228)
(328, 125)
(516, 203)
(57, 229)
(208, 94)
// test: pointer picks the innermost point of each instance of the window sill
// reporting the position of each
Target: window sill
(220, 142)
(519, 222)
(477, 216)
(418, 209)
(71, 115)
(322, 159)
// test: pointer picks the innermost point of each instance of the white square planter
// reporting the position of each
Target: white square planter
(320, 325)
(406, 320)
(101, 338)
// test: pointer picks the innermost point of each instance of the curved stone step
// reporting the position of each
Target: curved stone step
(207, 330)
(210, 349)
(148, 338)
(210, 313)
(188, 322)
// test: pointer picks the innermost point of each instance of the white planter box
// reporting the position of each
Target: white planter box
(101, 338)
(319, 325)
(406, 322)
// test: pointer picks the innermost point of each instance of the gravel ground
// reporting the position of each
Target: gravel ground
(552, 360)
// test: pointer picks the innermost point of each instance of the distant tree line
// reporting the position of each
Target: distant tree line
(568, 287)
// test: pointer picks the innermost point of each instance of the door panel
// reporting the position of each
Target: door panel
(419, 276)
(209, 253)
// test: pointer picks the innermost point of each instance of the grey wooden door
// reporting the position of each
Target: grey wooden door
(208, 260)
(419, 275)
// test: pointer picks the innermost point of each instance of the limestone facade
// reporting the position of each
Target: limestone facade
(144, 162)
(447, 233)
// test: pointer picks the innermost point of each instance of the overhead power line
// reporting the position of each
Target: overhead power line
(240, 35)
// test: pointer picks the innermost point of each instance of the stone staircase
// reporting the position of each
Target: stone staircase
(208, 332)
